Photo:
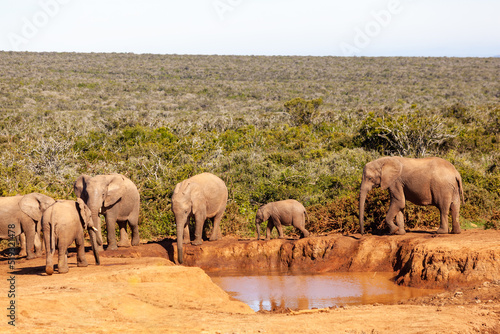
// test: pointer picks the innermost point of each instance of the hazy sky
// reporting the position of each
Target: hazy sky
(254, 27)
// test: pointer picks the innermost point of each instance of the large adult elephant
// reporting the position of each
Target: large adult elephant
(117, 198)
(201, 196)
(63, 223)
(22, 214)
(426, 181)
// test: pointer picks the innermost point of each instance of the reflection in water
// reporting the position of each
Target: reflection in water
(300, 292)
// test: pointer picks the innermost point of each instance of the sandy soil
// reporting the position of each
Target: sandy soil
(139, 290)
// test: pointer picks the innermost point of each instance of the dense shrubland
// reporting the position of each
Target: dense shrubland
(271, 127)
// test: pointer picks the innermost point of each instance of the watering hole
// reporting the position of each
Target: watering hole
(300, 292)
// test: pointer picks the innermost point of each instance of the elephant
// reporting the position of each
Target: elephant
(62, 223)
(425, 181)
(20, 215)
(117, 198)
(201, 196)
(282, 213)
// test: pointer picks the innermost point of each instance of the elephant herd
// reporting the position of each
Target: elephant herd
(425, 181)
(63, 222)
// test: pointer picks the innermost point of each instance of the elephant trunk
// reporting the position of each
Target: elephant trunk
(97, 224)
(93, 240)
(362, 199)
(257, 227)
(180, 239)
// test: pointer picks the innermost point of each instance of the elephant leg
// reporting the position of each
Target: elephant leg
(443, 229)
(187, 236)
(22, 242)
(124, 240)
(30, 243)
(303, 231)
(269, 229)
(216, 233)
(301, 225)
(81, 260)
(110, 226)
(134, 227)
(400, 222)
(455, 213)
(62, 264)
(49, 266)
(389, 219)
(397, 205)
(38, 243)
(198, 230)
(279, 227)
(49, 253)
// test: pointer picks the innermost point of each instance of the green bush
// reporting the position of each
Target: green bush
(494, 221)
(413, 134)
(302, 111)
(341, 215)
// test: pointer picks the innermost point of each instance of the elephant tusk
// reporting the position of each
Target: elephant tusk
(94, 228)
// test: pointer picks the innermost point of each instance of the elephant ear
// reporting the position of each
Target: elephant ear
(263, 213)
(35, 204)
(85, 213)
(115, 190)
(391, 170)
(80, 187)
(185, 187)
(177, 188)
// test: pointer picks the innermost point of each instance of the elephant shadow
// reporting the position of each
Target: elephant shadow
(422, 232)
(40, 271)
(168, 245)
(384, 231)
(8, 252)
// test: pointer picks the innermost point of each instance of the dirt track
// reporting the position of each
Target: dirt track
(139, 290)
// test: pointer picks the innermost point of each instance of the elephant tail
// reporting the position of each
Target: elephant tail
(52, 238)
(306, 215)
(460, 189)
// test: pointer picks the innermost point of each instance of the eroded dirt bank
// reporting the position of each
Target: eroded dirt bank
(419, 259)
(138, 290)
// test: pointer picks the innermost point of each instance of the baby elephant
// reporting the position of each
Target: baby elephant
(288, 213)
(62, 223)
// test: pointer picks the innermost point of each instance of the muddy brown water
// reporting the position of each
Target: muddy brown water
(273, 291)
